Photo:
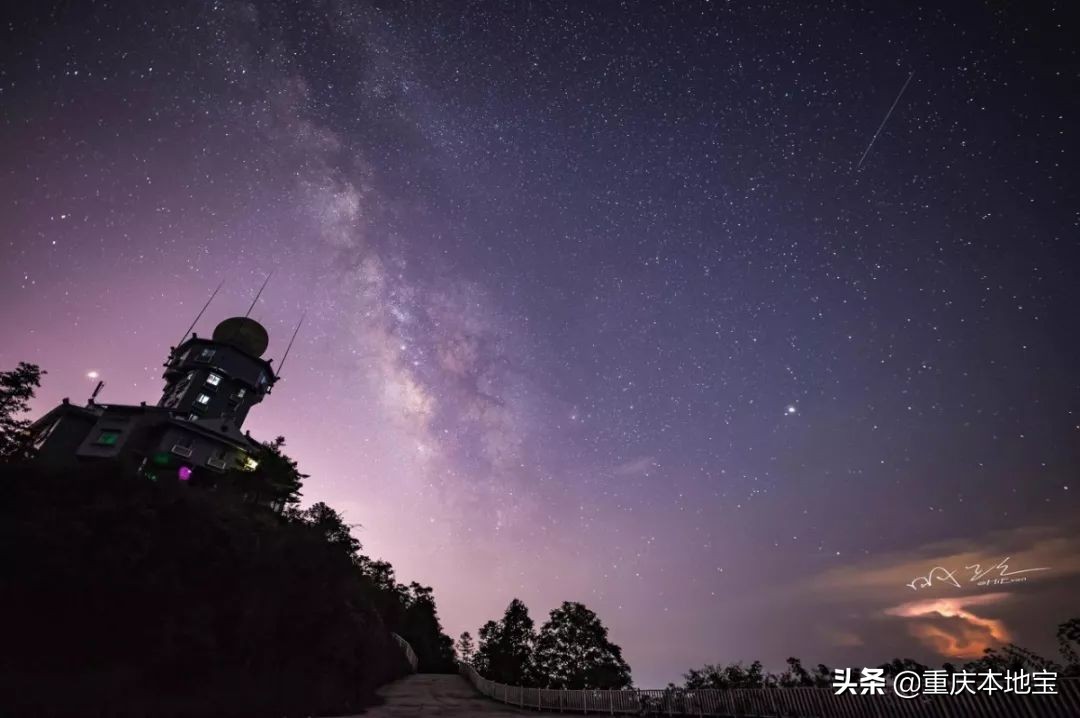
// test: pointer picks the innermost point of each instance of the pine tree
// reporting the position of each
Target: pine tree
(465, 647)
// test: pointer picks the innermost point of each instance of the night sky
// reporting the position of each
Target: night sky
(600, 304)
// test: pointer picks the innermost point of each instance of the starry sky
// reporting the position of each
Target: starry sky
(600, 303)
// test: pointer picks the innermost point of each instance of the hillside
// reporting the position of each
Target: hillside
(123, 596)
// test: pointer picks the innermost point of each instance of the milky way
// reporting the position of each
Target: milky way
(600, 305)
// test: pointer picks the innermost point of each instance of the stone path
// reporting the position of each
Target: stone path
(439, 695)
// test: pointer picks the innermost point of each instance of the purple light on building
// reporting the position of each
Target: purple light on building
(184, 473)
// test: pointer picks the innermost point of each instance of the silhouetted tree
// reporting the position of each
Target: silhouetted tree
(1011, 657)
(796, 676)
(823, 676)
(506, 647)
(276, 479)
(573, 651)
(465, 647)
(330, 525)
(488, 635)
(734, 675)
(410, 612)
(420, 626)
(17, 388)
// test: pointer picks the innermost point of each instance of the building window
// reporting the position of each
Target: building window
(183, 446)
(203, 399)
(193, 417)
(213, 379)
(219, 460)
(108, 437)
(205, 355)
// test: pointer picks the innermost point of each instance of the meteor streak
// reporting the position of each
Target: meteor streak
(887, 115)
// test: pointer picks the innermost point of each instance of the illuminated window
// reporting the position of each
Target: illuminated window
(205, 355)
(203, 399)
(108, 437)
(213, 380)
(240, 393)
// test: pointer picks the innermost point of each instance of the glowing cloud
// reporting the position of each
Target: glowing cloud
(948, 626)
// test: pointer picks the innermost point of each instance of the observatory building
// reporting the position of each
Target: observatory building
(193, 431)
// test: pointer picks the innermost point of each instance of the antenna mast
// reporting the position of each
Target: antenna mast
(97, 390)
(259, 294)
(201, 312)
(289, 348)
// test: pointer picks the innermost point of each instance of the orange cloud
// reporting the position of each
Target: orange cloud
(948, 626)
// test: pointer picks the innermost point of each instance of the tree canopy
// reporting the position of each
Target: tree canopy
(465, 647)
(573, 651)
(276, 480)
(17, 388)
(408, 610)
(506, 646)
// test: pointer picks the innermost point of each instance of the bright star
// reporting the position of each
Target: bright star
(791, 409)
(92, 374)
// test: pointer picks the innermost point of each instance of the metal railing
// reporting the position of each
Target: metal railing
(410, 654)
(786, 702)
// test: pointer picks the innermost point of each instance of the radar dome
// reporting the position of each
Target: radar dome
(245, 334)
